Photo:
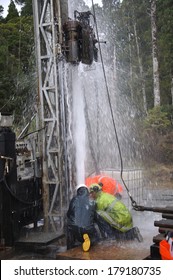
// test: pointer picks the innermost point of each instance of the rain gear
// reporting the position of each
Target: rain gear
(110, 185)
(80, 218)
(81, 209)
(113, 212)
(166, 247)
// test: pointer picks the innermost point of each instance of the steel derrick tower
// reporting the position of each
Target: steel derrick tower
(49, 16)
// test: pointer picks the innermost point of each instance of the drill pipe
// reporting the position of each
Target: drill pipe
(168, 210)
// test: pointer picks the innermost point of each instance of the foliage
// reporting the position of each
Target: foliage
(1, 11)
(157, 120)
(156, 135)
(128, 26)
(165, 43)
(127, 29)
(26, 9)
(16, 62)
(12, 11)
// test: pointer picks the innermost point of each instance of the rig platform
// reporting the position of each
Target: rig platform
(107, 250)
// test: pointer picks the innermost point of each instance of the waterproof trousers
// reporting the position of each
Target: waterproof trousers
(108, 232)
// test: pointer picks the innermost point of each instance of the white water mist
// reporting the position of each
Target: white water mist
(78, 126)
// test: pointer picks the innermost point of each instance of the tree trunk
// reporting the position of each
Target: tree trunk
(156, 88)
(140, 70)
(131, 71)
(172, 89)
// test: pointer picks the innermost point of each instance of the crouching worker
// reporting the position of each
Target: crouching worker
(113, 218)
(80, 220)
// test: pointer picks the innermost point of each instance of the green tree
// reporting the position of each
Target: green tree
(26, 9)
(1, 12)
(165, 43)
(12, 11)
(16, 64)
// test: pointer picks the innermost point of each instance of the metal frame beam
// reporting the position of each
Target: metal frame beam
(48, 47)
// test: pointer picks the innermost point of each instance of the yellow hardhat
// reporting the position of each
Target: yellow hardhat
(95, 188)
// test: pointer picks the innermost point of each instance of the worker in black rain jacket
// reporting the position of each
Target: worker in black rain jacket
(80, 220)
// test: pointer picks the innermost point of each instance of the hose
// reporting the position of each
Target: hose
(17, 198)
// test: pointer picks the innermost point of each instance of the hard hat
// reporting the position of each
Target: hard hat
(95, 188)
(81, 186)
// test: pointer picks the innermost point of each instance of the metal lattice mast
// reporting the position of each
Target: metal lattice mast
(47, 20)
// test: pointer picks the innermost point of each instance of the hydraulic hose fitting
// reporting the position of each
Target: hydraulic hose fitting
(134, 204)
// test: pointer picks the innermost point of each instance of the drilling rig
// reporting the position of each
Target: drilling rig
(59, 40)
(48, 20)
(46, 193)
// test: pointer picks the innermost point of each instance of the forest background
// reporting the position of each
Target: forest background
(141, 47)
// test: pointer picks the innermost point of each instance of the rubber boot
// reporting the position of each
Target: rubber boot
(87, 243)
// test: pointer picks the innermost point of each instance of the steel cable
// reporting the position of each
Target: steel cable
(134, 204)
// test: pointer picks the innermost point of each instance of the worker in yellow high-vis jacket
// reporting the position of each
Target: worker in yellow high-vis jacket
(113, 217)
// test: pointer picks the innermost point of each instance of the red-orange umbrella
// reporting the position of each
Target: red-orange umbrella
(110, 185)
